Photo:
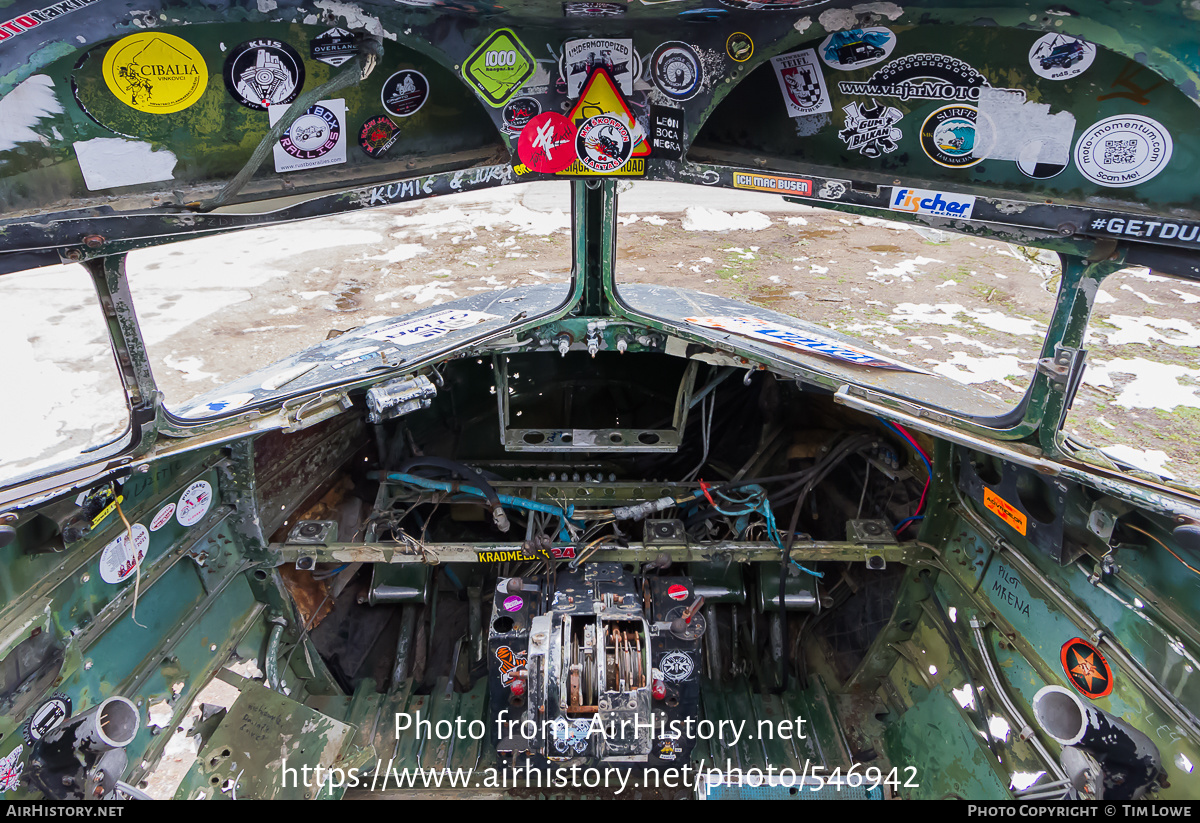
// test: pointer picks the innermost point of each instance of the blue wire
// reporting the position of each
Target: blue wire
(908, 520)
(900, 434)
(763, 506)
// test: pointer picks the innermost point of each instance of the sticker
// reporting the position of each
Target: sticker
(34, 18)
(555, 553)
(334, 46)
(155, 72)
(934, 203)
(1006, 511)
(739, 47)
(802, 340)
(593, 9)
(405, 92)
(1026, 133)
(370, 354)
(377, 135)
(118, 561)
(603, 143)
(773, 183)
(602, 97)
(498, 67)
(1086, 668)
(1148, 229)
(677, 592)
(163, 517)
(510, 663)
(513, 604)
(10, 770)
(518, 112)
(223, 404)
(1060, 56)
(547, 143)
(194, 503)
(832, 190)
(857, 48)
(106, 511)
(1123, 151)
(666, 132)
(317, 138)
(677, 666)
(948, 137)
(668, 749)
(430, 326)
(803, 84)
(871, 131)
(676, 70)
(581, 57)
(922, 77)
(264, 73)
(48, 717)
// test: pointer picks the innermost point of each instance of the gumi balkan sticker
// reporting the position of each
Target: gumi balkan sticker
(264, 73)
(1123, 151)
(119, 560)
(1060, 56)
(871, 131)
(155, 72)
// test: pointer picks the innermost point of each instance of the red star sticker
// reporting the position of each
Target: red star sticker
(1086, 670)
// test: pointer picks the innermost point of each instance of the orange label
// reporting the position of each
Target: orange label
(1004, 510)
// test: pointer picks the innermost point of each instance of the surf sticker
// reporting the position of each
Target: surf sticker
(405, 92)
(581, 57)
(1060, 56)
(317, 138)
(119, 560)
(498, 67)
(163, 517)
(547, 143)
(1123, 151)
(377, 135)
(677, 71)
(264, 73)
(806, 341)
(803, 84)
(154, 72)
(857, 48)
(430, 326)
(948, 137)
(194, 503)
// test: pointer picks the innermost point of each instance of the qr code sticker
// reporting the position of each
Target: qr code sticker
(1117, 152)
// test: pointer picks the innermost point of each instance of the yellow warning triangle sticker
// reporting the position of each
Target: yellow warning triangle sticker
(601, 96)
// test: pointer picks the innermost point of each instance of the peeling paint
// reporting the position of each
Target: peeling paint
(356, 18)
(838, 19)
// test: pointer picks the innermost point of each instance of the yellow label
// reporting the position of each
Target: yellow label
(155, 72)
(634, 166)
(1004, 510)
(109, 509)
(767, 182)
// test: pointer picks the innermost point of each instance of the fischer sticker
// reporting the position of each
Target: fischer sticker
(603, 143)
(772, 183)
(666, 132)
(510, 663)
(377, 135)
(517, 114)
(264, 73)
(223, 404)
(163, 517)
(513, 603)
(1123, 151)
(10, 770)
(194, 503)
(871, 131)
(498, 67)
(547, 143)
(46, 718)
(922, 77)
(405, 92)
(676, 70)
(580, 58)
(334, 46)
(317, 138)
(118, 561)
(155, 72)
(1086, 668)
(1006, 511)
(677, 592)
(677, 666)
(803, 84)
(430, 326)
(739, 47)
(802, 340)
(857, 48)
(1060, 56)
(934, 203)
(948, 137)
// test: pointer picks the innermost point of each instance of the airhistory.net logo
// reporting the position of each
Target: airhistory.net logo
(935, 203)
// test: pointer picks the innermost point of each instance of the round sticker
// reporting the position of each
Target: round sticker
(1086, 668)
(677, 70)
(163, 517)
(48, 717)
(118, 561)
(405, 92)
(223, 404)
(261, 73)
(677, 592)
(676, 666)
(739, 47)
(1123, 151)
(314, 134)
(377, 136)
(603, 143)
(155, 72)
(948, 136)
(194, 503)
(513, 604)
(519, 112)
(547, 143)
(1060, 56)
(1031, 162)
